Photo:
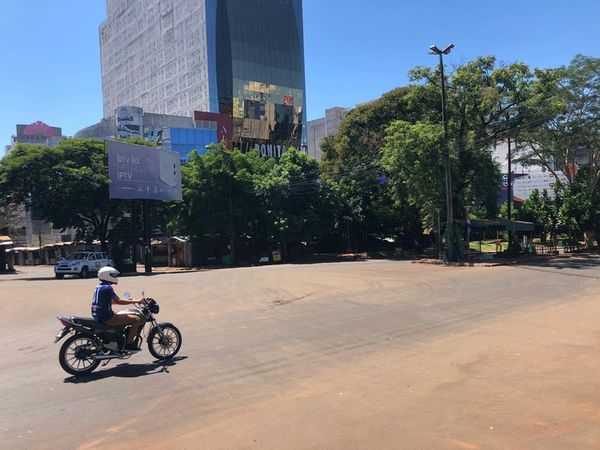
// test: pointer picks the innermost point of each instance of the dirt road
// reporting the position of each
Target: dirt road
(341, 356)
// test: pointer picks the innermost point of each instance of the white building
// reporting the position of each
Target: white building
(154, 55)
(318, 129)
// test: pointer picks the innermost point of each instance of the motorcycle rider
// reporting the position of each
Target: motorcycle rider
(102, 312)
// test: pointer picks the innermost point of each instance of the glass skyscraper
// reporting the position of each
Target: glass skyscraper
(240, 58)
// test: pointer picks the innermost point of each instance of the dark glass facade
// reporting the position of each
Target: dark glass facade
(259, 54)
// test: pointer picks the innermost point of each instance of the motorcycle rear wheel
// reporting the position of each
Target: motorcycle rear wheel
(165, 346)
(76, 356)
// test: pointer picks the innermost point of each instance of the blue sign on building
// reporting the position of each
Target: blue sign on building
(186, 140)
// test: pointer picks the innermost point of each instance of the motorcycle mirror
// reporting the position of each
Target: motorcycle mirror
(127, 295)
(143, 296)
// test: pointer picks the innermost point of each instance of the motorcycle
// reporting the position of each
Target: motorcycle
(92, 342)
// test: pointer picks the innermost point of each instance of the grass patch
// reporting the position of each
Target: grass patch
(489, 246)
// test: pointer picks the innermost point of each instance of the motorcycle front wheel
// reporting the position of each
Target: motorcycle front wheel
(76, 355)
(164, 345)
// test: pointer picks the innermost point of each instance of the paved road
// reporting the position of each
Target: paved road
(351, 355)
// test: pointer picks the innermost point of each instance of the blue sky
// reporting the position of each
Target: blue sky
(355, 50)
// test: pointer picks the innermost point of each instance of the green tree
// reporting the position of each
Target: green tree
(566, 104)
(219, 196)
(352, 162)
(66, 185)
(486, 104)
(580, 209)
(413, 161)
(544, 212)
(398, 138)
(290, 194)
(257, 202)
(565, 135)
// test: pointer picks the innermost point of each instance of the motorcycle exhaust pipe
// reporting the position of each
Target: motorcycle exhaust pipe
(105, 357)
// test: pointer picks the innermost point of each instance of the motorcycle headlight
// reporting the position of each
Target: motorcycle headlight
(153, 306)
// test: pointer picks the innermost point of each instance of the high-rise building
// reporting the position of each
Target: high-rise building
(319, 129)
(240, 58)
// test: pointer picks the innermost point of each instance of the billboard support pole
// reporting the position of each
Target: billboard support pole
(510, 194)
(134, 235)
(147, 243)
(139, 172)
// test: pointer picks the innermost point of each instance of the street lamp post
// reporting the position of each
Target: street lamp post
(451, 244)
(510, 195)
(439, 233)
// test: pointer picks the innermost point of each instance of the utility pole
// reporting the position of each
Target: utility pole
(439, 233)
(231, 228)
(230, 204)
(147, 238)
(450, 231)
(134, 235)
(468, 223)
(510, 194)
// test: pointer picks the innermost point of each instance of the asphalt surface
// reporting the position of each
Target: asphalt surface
(369, 354)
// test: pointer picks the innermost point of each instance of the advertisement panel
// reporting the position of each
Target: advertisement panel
(268, 150)
(130, 121)
(525, 184)
(145, 173)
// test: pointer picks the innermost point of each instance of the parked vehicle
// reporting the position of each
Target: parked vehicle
(91, 342)
(82, 264)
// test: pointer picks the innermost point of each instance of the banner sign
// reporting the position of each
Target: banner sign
(144, 173)
(130, 121)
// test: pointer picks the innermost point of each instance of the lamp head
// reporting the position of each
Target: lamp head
(448, 49)
(434, 50)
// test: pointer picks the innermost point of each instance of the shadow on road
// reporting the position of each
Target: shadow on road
(66, 279)
(557, 265)
(125, 370)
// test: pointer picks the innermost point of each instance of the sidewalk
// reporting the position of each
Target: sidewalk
(140, 270)
(495, 262)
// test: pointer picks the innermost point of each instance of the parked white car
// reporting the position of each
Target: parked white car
(82, 264)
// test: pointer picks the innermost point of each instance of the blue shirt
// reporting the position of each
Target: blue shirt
(102, 304)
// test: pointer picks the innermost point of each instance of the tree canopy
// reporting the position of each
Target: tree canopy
(66, 185)
(381, 178)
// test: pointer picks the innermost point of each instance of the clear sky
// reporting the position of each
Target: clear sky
(355, 50)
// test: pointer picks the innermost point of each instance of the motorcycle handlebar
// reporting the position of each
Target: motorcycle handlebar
(142, 302)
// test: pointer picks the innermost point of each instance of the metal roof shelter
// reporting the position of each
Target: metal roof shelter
(499, 225)
(517, 225)
(6, 241)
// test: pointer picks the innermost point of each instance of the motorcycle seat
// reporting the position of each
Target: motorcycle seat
(91, 323)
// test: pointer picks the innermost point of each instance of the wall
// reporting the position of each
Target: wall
(153, 55)
(326, 126)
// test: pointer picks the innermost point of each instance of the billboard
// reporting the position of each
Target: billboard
(268, 150)
(524, 185)
(130, 121)
(145, 173)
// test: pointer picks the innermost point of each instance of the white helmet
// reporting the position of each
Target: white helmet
(109, 274)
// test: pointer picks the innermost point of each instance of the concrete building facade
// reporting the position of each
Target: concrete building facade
(326, 126)
(176, 133)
